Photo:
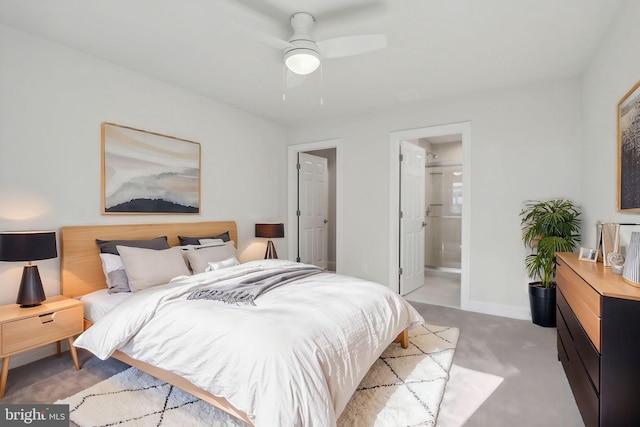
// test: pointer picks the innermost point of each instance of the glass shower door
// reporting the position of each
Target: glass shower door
(443, 232)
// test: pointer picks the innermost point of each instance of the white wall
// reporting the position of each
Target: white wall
(525, 145)
(52, 101)
(613, 71)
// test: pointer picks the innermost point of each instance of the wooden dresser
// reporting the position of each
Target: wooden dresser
(598, 320)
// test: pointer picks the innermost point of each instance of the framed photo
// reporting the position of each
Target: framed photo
(588, 254)
(148, 173)
(629, 151)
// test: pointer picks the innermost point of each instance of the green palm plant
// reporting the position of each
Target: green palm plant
(548, 227)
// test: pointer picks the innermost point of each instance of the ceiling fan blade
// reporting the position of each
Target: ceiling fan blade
(351, 45)
(265, 8)
(262, 38)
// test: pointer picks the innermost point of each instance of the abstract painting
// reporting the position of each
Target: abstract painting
(629, 151)
(148, 173)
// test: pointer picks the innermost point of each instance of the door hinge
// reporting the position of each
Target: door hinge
(401, 157)
(401, 214)
(400, 271)
(298, 213)
(298, 259)
(298, 166)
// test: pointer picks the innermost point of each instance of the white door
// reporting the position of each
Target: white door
(313, 209)
(412, 216)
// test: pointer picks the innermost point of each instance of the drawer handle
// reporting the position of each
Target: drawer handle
(46, 318)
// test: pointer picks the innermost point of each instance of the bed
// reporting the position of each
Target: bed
(304, 380)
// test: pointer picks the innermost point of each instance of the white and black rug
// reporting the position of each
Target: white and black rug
(403, 388)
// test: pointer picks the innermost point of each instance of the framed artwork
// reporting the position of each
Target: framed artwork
(148, 173)
(588, 254)
(629, 151)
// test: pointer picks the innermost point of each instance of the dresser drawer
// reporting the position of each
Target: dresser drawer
(35, 331)
(584, 301)
(571, 332)
(587, 398)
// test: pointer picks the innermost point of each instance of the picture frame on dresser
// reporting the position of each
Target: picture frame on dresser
(588, 254)
(629, 151)
(148, 173)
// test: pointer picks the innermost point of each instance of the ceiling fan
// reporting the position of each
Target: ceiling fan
(302, 54)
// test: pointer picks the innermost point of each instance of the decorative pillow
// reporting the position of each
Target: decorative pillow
(109, 246)
(114, 273)
(229, 262)
(150, 267)
(184, 240)
(206, 243)
(211, 242)
(199, 259)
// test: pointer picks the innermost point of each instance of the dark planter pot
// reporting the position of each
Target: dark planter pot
(543, 305)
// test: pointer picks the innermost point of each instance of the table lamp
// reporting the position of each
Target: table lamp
(28, 246)
(270, 231)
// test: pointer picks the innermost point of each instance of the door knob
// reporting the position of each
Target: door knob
(424, 224)
(326, 220)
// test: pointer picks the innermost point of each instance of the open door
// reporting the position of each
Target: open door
(313, 208)
(412, 216)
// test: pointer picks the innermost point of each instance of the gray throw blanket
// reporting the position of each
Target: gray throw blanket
(247, 290)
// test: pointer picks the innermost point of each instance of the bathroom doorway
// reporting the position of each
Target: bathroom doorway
(446, 215)
(443, 219)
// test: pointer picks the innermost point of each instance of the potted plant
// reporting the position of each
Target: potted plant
(547, 227)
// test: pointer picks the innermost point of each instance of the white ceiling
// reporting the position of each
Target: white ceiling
(436, 48)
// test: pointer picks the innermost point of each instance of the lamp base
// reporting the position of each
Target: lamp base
(31, 293)
(270, 253)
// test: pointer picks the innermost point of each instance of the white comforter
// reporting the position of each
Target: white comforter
(294, 359)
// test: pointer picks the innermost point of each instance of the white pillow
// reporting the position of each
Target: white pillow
(199, 259)
(150, 267)
(114, 273)
(212, 242)
(226, 263)
(204, 243)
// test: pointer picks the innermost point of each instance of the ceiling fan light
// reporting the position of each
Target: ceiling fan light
(302, 61)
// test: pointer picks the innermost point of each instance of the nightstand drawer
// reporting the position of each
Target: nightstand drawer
(31, 332)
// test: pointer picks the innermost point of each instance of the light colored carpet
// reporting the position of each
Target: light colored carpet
(466, 391)
(404, 387)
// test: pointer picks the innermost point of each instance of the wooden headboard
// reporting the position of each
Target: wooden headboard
(81, 269)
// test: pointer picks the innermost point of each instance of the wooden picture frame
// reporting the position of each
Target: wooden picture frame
(629, 151)
(588, 254)
(148, 173)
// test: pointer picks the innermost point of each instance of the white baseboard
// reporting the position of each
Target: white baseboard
(523, 313)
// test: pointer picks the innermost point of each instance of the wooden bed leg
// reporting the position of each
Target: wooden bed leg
(403, 338)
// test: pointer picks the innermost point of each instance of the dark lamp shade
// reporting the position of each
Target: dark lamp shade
(270, 230)
(27, 245)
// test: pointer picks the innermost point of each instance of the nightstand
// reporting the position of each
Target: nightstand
(23, 329)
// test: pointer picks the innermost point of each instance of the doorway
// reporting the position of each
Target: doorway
(446, 216)
(302, 242)
(443, 221)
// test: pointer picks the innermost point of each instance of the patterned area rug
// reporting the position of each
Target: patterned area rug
(403, 388)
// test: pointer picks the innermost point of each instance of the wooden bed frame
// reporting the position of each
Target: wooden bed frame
(81, 273)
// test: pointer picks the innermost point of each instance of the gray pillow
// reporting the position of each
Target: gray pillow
(147, 267)
(185, 240)
(199, 259)
(118, 282)
(109, 246)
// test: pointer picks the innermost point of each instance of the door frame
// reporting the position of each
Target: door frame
(463, 128)
(292, 184)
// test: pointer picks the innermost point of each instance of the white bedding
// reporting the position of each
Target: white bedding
(97, 304)
(294, 359)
